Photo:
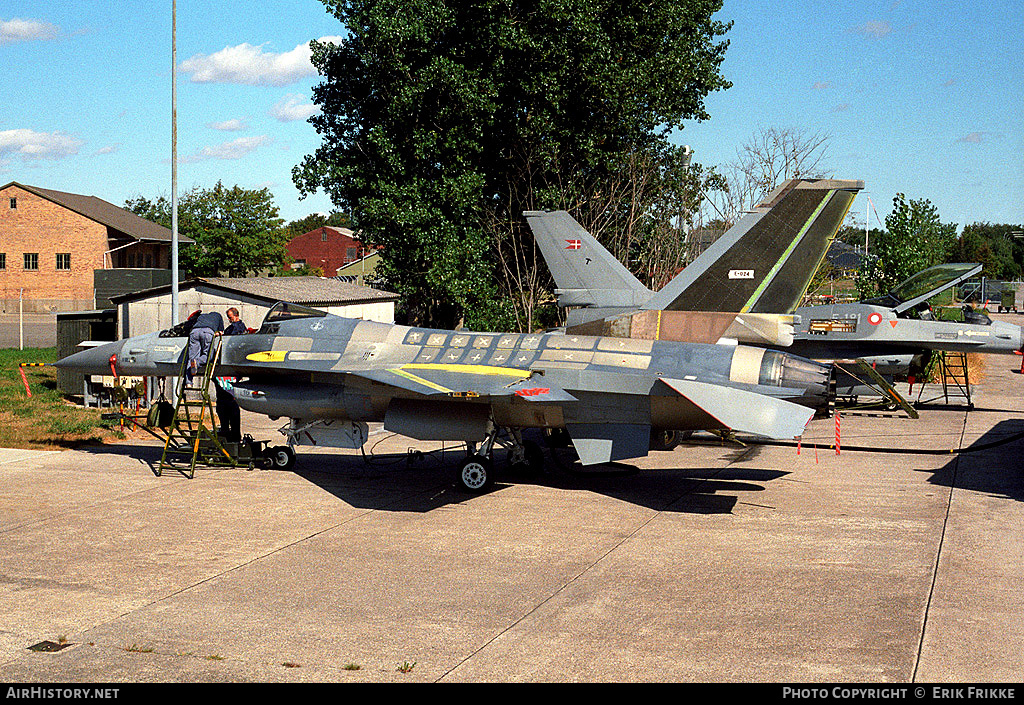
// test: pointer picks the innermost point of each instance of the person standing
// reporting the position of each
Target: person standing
(227, 408)
(235, 325)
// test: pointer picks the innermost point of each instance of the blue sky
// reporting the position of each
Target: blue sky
(924, 98)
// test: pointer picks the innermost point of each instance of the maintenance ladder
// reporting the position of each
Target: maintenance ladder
(192, 435)
(954, 377)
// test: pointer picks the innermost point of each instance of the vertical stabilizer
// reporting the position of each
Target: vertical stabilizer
(585, 273)
(764, 263)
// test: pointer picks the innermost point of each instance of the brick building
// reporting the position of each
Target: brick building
(327, 249)
(51, 241)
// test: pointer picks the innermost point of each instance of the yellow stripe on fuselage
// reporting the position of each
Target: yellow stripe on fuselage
(268, 356)
(468, 369)
(419, 380)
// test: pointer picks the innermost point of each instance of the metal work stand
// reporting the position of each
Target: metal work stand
(192, 436)
(955, 379)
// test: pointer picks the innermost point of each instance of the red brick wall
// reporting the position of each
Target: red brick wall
(325, 253)
(41, 226)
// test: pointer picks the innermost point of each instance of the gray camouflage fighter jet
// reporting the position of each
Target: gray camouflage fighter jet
(322, 370)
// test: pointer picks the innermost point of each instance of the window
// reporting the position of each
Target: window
(63, 260)
(323, 236)
(350, 253)
(32, 260)
(14, 203)
(3, 260)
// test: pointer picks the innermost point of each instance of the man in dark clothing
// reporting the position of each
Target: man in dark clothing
(199, 339)
(227, 407)
(235, 325)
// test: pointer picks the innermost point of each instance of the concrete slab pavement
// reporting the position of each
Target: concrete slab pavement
(708, 563)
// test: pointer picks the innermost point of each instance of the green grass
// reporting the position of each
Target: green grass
(45, 420)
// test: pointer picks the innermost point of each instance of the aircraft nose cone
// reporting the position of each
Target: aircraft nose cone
(93, 361)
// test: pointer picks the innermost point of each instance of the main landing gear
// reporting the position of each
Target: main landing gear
(476, 472)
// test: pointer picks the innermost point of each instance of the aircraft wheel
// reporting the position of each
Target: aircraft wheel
(476, 474)
(664, 440)
(280, 457)
(556, 437)
(533, 461)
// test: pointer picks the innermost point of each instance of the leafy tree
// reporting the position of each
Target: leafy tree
(914, 239)
(442, 121)
(994, 246)
(236, 230)
(314, 221)
(853, 235)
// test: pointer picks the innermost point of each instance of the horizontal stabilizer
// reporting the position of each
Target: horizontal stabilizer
(745, 411)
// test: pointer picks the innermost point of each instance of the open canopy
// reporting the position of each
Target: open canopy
(285, 311)
(924, 285)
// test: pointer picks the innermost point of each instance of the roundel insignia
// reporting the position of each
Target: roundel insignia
(875, 318)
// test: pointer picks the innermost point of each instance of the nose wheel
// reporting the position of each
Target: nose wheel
(279, 458)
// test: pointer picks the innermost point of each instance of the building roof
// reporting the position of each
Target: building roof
(310, 291)
(367, 261)
(843, 256)
(105, 213)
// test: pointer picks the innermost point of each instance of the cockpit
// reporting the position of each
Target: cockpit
(914, 292)
(286, 311)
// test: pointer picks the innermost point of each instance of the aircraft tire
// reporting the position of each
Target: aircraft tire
(664, 440)
(280, 457)
(476, 474)
(533, 463)
(556, 437)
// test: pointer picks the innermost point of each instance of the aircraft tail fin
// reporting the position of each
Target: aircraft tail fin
(764, 263)
(585, 273)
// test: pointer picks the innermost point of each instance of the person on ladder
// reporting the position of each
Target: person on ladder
(199, 339)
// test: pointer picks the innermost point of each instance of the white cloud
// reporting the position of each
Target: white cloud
(17, 30)
(228, 125)
(251, 65)
(875, 29)
(841, 108)
(293, 107)
(31, 145)
(235, 149)
(109, 149)
(821, 85)
(979, 137)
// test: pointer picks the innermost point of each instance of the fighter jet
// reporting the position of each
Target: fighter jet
(894, 335)
(607, 393)
(897, 333)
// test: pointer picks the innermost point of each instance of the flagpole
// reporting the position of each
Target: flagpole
(174, 162)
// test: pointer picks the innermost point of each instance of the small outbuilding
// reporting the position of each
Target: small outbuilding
(150, 310)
